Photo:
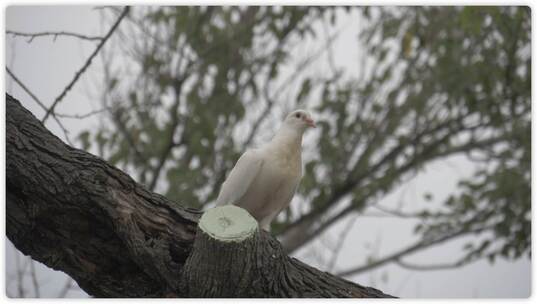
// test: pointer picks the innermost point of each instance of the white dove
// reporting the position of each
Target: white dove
(265, 179)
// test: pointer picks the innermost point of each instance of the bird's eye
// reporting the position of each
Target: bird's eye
(297, 115)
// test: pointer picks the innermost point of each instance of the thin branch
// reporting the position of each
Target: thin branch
(12, 45)
(55, 35)
(340, 242)
(257, 123)
(86, 64)
(116, 118)
(305, 63)
(354, 181)
(82, 116)
(66, 287)
(64, 130)
(19, 274)
(330, 50)
(426, 155)
(397, 213)
(42, 105)
(174, 124)
(175, 119)
(422, 244)
(306, 235)
(34, 279)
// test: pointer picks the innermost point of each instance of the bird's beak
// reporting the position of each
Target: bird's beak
(310, 122)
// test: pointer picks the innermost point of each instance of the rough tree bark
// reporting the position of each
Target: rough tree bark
(74, 212)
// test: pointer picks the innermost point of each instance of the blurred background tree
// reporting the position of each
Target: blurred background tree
(188, 89)
(438, 81)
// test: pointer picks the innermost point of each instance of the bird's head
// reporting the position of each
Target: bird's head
(300, 119)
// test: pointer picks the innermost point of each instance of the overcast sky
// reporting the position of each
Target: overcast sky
(46, 66)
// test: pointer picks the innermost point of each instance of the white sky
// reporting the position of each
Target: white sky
(46, 67)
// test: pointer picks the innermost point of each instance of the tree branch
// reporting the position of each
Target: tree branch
(354, 181)
(85, 115)
(33, 276)
(16, 79)
(64, 130)
(74, 212)
(86, 64)
(263, 270)
(428, 153)
(422, 244)
(65, 289)
(340, 241)
(115, 115)
(55, 34)
(174, 124)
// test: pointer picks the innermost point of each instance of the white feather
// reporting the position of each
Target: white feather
(240, 178)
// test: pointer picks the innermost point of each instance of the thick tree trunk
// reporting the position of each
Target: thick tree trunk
(74, 212)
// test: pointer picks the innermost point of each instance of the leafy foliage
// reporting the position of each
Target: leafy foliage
(436, 82)
(199, 69)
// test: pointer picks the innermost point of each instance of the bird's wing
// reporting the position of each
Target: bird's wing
(239, 180)
(283, 202)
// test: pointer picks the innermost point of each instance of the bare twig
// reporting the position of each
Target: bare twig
(422, 244)
(86, 64)
(330, 50)
(340, 242)
(66, 287)
(55, 35)
(175, 121)
(257, 123)
(12, 46)
(116, 118)
(34, 279)
(19, 275)
(64, 130)
(10, 73)
(82, 116)
(397, 213)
